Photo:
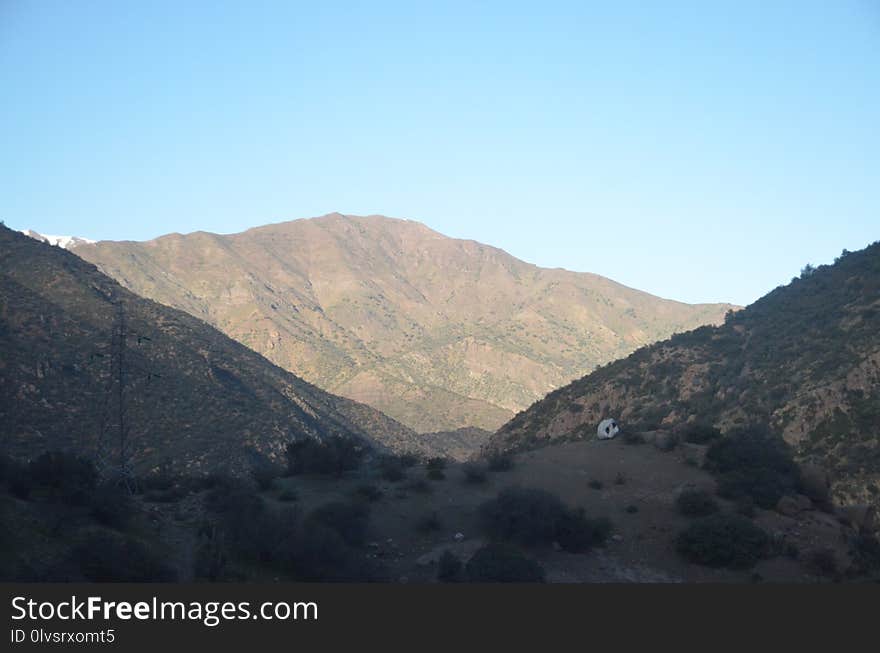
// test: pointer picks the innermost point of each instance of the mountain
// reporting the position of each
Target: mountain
(438, 333)
(64, 242)
(804, 360)
(190, 394)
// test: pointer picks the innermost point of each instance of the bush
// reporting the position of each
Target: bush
(865, 552)
(448, 567)
(531, 516)
(111, 505)
(419, 486)
(595, 484)
(631, 509)
(474, 473)
(429, 523)
(500, 462)
(288, 495)
(210, 556)
(753, 463)
(265, 473)
(436, 474)
(436, 463)
(334, 455)
(321, 554)
(576, 533)
(106, 557)
(16, 477)
(500, 563)
(696, 503)
(620, 479)
(349, 519)
(526, 516)
(392, 468)
(699, 433)
(68, 478)
(368, 492)
(723, 541)
(633, 438)
(823, 562)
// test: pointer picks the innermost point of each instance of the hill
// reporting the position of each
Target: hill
(803, 360)
(438, 333)
(191, 396)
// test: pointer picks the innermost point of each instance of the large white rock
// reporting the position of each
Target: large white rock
(607, 429)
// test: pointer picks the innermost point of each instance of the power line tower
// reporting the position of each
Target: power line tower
(114, 451)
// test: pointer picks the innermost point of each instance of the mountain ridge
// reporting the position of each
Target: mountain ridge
(438, 333)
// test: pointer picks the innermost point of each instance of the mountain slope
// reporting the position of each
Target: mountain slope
(191, 393)
(804, 359)
(436, 332)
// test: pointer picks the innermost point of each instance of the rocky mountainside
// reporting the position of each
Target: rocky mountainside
(436, 332)
(191, 394)
(804, 360)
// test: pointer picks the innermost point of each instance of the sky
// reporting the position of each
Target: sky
(701, 151)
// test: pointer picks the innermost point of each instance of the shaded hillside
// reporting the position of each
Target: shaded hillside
(804, 359)
(436, 332)
(191, 394)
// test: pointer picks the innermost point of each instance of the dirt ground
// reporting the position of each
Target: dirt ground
(639, 484)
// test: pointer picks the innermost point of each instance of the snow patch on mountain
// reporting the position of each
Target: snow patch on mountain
(64, 242)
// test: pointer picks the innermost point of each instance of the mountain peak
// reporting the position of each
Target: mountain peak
(436, 332)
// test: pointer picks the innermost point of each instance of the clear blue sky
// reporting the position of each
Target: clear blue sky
(702, 151)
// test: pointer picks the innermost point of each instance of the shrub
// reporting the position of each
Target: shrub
(420, 486)
(633, 438)
(699, 433)
(429, 523)
(531, 516)
(349, 519)
(576, 533)
(595, 484)
(210, 557)
(448, 567)
(500, 462)
(436, 463)
(696, 503)
(500, 563)
(526, 516)
(321, 554)
(723, 541)
(16, 477)
(823, 562)
(265, 473)
(436, 474)
(105, 556)
(68, 478)
(368, 492)
(392, 468)
(753, 463)
(288, 495)
(474, 473)
(334, 455)
(111, 505)
(632, 509)
(865, 552)
(620, 479)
